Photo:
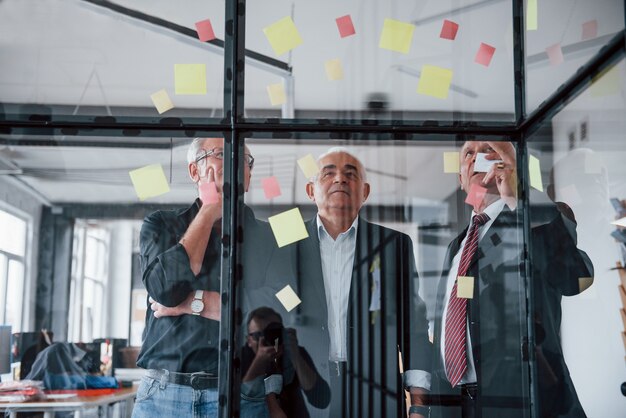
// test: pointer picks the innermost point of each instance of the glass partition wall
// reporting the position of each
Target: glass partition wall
(350, 146)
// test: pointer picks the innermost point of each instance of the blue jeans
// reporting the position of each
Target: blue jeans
(156, 398)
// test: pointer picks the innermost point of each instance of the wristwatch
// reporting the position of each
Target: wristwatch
(197, 306)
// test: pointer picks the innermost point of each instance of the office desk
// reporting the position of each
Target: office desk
(78, 404)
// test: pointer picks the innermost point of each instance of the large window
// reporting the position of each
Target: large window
(12, 268)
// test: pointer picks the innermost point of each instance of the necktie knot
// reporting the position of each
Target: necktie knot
(480, 219)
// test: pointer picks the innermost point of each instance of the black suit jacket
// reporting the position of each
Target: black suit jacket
(498, 314)
(372, 369)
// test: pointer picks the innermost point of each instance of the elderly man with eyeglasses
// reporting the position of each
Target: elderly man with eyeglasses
(180, 262)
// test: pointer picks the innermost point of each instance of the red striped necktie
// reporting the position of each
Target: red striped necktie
(456, 318)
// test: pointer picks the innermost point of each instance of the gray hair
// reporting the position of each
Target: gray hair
(193, 149)
(341, 150)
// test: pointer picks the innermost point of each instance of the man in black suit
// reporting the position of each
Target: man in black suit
(484, 357)
(360, 305)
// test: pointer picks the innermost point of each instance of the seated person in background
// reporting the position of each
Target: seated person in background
(276, 370)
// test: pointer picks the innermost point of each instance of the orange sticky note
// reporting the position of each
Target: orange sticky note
(396, 36)
(345, 26)
(555, 54)
(451, 163)
(205, 30)
(271, 187)
(475, 195)
(149, 181)
(449, 30)
(288, 227)
(334, 71)
(162, 101)
(288, 298)
(590, 30)
(208, 193)
(277, 95)
(484, 54)
(190, 78)
(283, 35)
(435, 81)
(308, 165)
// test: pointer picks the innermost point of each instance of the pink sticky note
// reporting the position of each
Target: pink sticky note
(205, 30)
(271, 187)
(484, 54)
(555, 54)
(476, 195)
(449, 30)
(208, 193)
(590, 30)
(345, 26)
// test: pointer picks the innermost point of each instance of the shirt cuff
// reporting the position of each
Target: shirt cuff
(417, 379)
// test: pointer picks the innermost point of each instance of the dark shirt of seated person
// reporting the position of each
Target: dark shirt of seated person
(272, 355)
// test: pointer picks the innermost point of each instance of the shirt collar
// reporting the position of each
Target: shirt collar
(321, 229)
(493, 210)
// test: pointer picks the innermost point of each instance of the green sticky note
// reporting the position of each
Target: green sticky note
(283, 35)
(531, 15)
(190, 78)
(451, 162)
(534, 170)
(396, 36)
(288, 298)
(465, 287)
(435, 81)
(288, 227)
(149, 181)
(308, 165)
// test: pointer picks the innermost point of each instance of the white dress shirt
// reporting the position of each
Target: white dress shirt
(337, 260)
(492, 211)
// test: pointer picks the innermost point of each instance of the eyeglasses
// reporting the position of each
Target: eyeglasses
(256, 335)
(218, 154)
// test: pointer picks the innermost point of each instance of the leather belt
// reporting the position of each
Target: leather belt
(198, 381)
(469, 390)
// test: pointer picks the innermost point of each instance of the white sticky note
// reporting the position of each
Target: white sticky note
(375, 302)
(465, 287)
(288, 298)
(482, 164)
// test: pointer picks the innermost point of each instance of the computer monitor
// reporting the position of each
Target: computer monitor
(5, 349)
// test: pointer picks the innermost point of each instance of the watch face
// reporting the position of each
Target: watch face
(197, 306)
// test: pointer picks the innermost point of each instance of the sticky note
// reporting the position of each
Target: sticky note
(396, 36)
(531, 15)
(484, 54)
(482, 164)
(606, 83)
(288, 298)
(345, 26)
(190, 78)
(590, 30)
(308, 165)
(475, 195)
(555, 54)
(584, 283)
(465, 287)
(161, 101)
(277, 95)
(149, 181)
(208, 193)
(205, 30)
(449, 30)
(451, 162)
(283, 35)
(534, 171)
(334, 71)
(288, 227)
(620, 222)
(271, 188)
(434, 81)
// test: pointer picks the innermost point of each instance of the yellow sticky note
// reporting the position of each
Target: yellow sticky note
(396, 36)
(149, 181)
(190, 78)
(283, 35)
(531, 15)
(435, 81)
(162, 101)
(465, 287)
(308, 165)
(277, 94)
(334, 70)
(288, 227)
(451, 162)
(534, 170)
(607, 83)
(288, 298)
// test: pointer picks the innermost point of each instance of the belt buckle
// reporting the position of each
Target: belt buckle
(198, 382)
